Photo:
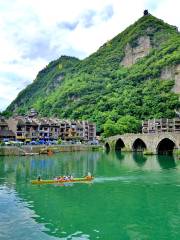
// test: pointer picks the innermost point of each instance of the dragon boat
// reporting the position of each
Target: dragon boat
(46, 181)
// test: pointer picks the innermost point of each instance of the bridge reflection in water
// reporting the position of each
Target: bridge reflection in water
(137, 160)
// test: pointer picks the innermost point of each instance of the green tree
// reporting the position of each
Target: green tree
(109, 128)
(128, 124)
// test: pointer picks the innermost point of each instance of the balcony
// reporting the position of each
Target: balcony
(44, 131)
(20, 131)
(20, 137)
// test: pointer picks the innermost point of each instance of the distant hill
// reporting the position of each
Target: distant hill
(137, 73)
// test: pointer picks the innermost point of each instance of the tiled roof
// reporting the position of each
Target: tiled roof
(45, 121)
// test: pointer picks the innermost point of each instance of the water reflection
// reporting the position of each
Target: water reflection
(119, 195)
(140, 159)
(27, 168)
(166, 161)
(79, 164)
(119, 155)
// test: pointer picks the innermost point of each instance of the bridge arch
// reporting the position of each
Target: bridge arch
(107, 147)
(119, 145)
(166, 146)
(139, 145)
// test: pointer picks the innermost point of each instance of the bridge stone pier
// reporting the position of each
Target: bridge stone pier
(155, 143)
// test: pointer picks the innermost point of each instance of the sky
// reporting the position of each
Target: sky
(35, 32)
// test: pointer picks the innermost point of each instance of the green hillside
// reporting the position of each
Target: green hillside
(100, 89)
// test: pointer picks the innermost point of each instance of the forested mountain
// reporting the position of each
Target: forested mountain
(134, 76)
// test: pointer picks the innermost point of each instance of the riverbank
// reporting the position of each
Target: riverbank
(39, 149)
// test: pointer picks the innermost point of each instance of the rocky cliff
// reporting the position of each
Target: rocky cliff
(132, 54)
(172, 72)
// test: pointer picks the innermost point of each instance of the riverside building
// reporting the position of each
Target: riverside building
(161, 125)
(33, 127)
(5, 132)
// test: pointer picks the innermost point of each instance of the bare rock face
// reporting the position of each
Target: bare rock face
(172, 73)
(55, 83)
(133, 54)
(167, 73)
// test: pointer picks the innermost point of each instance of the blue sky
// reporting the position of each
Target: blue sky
(34, 32)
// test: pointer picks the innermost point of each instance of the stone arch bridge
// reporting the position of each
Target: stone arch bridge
(155, 143)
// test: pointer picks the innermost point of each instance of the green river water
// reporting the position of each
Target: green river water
(132, 197)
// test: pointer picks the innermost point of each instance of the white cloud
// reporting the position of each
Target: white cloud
(36, 32)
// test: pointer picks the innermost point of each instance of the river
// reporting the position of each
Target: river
(132, 197)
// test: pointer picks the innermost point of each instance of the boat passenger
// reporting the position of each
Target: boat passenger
(71, 177)
(39, 178)
(89, 176)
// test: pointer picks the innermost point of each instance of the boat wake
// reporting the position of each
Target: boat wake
(118, 178)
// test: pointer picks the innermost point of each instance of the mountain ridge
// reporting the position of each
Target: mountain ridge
(101, 88)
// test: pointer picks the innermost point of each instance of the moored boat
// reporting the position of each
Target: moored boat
(46, 181)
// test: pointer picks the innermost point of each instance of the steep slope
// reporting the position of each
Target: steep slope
(47, 80)
(133, 74)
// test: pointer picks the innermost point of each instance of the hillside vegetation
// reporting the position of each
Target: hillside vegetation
(100, 89)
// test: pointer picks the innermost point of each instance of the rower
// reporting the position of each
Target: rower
(89, 176)
(39, 178)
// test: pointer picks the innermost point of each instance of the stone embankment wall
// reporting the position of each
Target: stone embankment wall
(32, 150)
(11, 151)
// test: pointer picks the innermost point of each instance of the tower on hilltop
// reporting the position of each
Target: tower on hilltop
(146, 12)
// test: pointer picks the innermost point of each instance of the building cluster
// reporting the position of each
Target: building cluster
(161, 125)
(5, 132)
(33, 127)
